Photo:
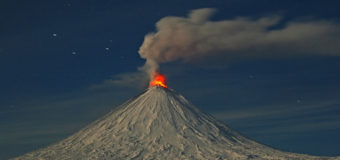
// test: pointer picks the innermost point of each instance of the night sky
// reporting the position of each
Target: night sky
(58, 59)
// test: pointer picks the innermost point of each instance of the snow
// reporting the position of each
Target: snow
(159, 124)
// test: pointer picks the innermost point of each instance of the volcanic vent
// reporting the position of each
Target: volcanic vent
(159, 124)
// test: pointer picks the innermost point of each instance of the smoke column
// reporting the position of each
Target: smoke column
(196, 38)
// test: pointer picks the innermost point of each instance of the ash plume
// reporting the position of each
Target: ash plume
(197, 39)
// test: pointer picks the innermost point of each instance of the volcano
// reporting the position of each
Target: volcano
(159, 124)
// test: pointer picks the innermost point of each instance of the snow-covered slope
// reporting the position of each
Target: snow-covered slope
(159, 124)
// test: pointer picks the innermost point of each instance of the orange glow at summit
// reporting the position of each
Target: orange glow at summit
(158, 80)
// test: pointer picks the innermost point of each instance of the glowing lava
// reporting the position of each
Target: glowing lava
(158, 80)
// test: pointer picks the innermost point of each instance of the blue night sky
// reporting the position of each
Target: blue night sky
(58, 59)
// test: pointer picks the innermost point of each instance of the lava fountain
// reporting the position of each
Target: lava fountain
(158, 79)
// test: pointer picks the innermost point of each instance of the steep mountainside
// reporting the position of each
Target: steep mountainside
(159, 124)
